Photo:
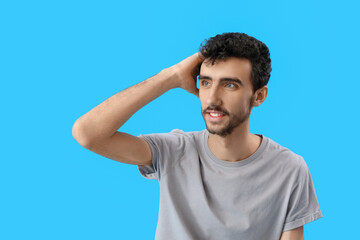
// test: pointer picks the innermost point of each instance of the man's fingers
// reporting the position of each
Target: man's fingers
(198, 57)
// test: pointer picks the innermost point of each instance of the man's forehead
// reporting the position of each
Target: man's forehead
(231, 67)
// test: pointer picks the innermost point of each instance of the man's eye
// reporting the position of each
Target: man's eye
(230, 85)
(205, 83)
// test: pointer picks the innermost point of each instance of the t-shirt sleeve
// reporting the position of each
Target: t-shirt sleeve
(166, 149)
(303, 205)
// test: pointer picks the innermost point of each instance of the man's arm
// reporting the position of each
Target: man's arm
(294, 234)
(97, 129)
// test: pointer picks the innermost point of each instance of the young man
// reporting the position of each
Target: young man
(222, 182)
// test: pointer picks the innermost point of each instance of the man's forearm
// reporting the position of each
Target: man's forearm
(105, 119)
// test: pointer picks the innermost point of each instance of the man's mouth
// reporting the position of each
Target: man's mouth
(215, 115)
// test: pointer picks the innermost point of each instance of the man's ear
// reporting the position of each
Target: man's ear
(260, 96)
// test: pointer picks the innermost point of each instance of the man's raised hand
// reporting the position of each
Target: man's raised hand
(186, 73)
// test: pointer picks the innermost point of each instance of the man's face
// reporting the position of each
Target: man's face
(226, 94)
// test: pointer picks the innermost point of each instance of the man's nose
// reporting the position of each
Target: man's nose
(214, 97)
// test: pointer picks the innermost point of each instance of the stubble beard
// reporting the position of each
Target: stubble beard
(235, 121)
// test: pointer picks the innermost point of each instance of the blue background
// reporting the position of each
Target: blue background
(60, 59)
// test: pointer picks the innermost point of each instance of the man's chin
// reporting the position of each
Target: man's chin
(222, 132)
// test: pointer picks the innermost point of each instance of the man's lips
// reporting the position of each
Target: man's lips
(215, 115)
(215, 112)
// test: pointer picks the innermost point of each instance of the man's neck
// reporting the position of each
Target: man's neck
(237, 146)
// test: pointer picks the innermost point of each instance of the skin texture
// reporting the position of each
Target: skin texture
(229, 138)
(217, 95)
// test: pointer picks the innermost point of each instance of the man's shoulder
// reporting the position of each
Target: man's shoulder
(284, 154)
(192, 136)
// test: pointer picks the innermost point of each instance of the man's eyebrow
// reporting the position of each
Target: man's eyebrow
(237, 80)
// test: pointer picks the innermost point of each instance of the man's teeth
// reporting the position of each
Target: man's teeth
(216, 114)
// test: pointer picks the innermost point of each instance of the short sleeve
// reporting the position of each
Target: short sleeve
(166, 149)
(303, 206)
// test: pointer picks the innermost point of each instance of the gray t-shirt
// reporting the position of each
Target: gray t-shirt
(203, 197)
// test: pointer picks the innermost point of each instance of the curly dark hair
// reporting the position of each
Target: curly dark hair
(241, 45)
